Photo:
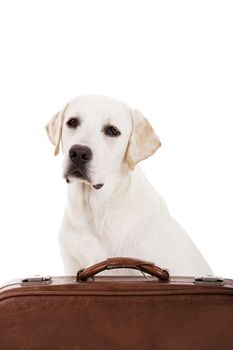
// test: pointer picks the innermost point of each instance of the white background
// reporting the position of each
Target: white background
(173, 60)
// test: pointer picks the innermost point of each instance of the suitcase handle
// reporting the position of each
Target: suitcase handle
(122, 262)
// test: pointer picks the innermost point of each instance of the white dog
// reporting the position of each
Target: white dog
(112, 209)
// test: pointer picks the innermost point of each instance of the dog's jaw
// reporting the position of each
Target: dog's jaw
(96, 187)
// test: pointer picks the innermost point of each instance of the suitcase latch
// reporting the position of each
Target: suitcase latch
(35, 280)
(209, 280)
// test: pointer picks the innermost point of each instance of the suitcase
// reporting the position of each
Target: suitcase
(151, 311)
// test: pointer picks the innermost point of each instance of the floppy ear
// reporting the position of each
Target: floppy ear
(54, 129)
(143, 140)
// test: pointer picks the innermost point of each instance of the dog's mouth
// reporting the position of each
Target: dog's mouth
(76, 172)
(98, 186)
(82, 176)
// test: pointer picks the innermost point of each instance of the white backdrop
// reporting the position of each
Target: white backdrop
(173, 60)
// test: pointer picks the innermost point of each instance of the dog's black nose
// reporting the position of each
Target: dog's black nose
(80, 154)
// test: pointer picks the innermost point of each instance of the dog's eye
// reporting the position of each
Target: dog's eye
(111, 130)
(73, 123)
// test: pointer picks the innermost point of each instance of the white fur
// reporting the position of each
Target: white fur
(126, 217)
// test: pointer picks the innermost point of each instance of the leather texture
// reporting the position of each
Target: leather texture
(117, 313)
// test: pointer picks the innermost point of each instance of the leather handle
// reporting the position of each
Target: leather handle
(123, 262)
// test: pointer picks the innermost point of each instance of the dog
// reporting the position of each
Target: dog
(112, 209)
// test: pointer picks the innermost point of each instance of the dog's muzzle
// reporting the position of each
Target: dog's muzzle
(79, 157)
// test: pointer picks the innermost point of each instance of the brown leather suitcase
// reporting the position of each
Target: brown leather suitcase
(88, 312)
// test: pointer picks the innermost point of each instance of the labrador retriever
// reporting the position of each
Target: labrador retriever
(112, 209)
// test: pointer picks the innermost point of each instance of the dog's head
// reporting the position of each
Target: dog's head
(100, 136)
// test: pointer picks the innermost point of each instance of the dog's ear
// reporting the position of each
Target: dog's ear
(54, 129)
(143, 140)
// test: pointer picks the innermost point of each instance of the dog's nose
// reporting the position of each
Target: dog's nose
(80, 154)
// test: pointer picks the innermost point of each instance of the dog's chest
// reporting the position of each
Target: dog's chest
(108, 223)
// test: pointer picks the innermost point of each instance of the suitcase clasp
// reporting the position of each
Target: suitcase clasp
(37, 279)
(209, 280)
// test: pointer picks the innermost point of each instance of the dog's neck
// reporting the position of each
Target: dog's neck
(84, 201)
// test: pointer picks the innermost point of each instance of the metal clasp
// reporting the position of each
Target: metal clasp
(36, 280)
(209, 280)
